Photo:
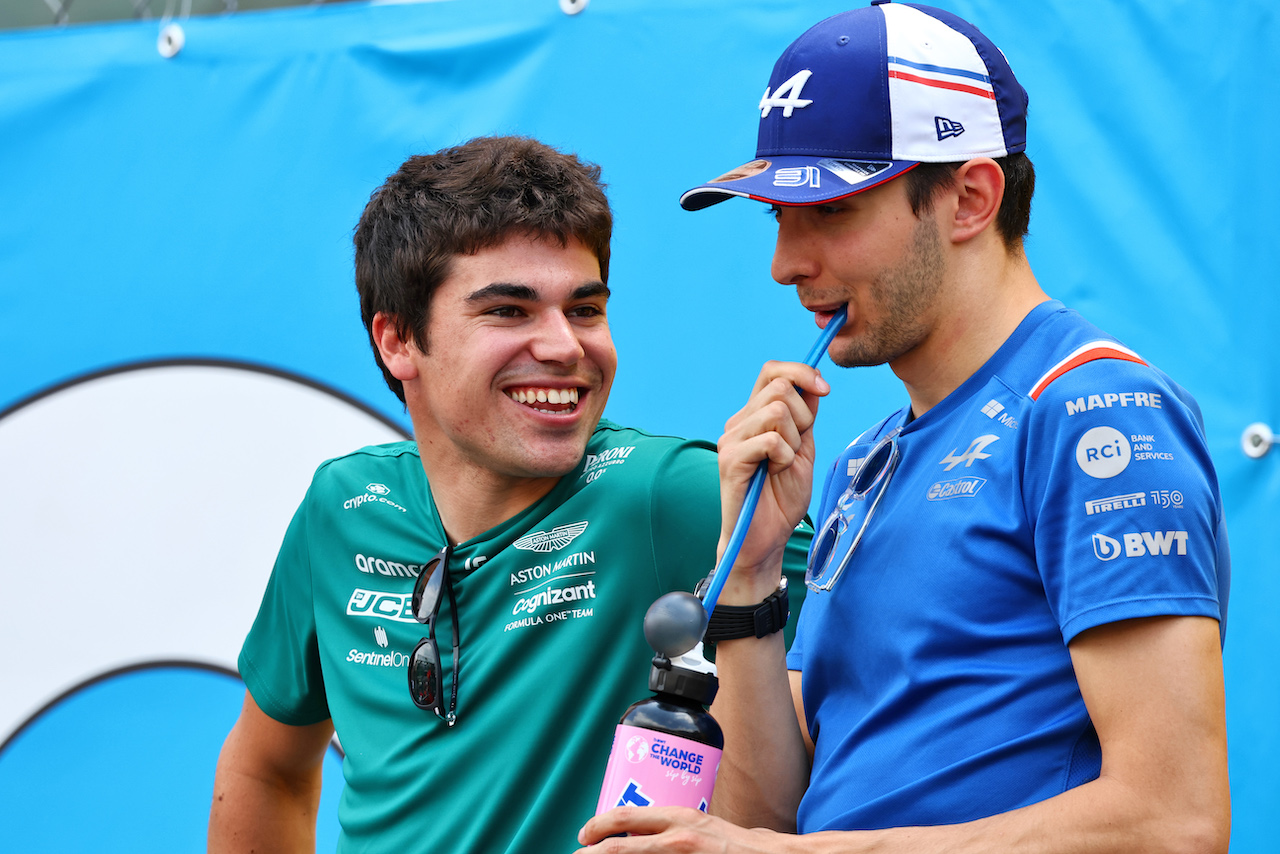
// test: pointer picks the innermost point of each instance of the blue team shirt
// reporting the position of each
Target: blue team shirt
(1065, 485)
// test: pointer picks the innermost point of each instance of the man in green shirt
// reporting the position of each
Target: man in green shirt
(518, 531)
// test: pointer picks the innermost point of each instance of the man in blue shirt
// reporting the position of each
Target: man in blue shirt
(1018, 597)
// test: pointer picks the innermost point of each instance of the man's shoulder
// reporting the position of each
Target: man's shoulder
(649, 460)
(1068, 357)
(372, 467)
(609, 434)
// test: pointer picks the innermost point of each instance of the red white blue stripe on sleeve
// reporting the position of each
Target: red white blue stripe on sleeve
(1081, 355)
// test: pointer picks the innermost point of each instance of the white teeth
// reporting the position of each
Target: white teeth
(545, 395)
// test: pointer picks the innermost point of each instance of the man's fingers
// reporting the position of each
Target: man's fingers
(797, 374)
(624, 820)
(768, 432)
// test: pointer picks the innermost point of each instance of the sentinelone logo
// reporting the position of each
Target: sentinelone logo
(378, 659)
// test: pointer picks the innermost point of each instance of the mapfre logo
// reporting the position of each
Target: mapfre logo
(1106, 401)
(1141, 544)
(549, 541)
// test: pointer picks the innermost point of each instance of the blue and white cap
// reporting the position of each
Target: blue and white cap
(864, 96)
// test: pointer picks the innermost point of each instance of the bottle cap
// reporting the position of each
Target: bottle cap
(690, 676)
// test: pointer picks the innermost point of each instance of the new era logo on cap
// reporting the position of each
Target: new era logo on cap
(889, 86)
(947, 128)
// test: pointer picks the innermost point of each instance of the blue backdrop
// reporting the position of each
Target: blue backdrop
(199, 209)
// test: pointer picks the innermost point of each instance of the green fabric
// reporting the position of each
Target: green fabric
(543, 683)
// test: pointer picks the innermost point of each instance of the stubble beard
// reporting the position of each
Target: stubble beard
(903, 295)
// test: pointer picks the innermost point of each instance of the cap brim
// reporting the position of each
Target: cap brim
(792, 180)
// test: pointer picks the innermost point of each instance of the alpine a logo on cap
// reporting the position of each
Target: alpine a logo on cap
(792, 88)
(548, 541)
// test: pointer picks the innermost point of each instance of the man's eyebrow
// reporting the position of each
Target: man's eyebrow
(595, 289)
(524, 293)
(504, 290)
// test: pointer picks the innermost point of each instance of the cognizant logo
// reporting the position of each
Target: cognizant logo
(555, 596)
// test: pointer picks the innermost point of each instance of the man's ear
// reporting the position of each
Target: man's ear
(979, 184)
(397, 353)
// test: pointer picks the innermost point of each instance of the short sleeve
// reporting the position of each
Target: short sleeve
(280, 661)
(1123, 498)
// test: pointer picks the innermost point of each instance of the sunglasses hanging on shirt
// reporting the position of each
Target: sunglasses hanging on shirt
(425, 678)
(860, 499)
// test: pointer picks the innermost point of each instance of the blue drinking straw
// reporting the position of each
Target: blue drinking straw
(720, 574)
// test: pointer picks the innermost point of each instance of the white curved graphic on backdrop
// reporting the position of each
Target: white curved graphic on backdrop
(141, 513)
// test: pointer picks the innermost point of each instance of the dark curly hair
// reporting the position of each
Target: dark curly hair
(459, 201)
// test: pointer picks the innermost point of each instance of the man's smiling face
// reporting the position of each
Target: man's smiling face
(518, 360)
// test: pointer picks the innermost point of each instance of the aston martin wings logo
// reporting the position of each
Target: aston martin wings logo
(549, 541)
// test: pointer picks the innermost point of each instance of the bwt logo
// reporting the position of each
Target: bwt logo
(1141, 544)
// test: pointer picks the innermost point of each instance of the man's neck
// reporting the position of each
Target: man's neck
(470, 501)
(984, 306)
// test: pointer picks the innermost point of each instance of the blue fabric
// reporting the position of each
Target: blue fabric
(936, 676)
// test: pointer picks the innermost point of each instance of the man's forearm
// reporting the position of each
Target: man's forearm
(765, 768)
(1101, 817)
(252, 814)
(266, 793)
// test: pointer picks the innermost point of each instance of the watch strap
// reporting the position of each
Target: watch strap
(730, 622)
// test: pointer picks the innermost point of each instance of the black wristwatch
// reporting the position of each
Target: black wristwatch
(730, 622)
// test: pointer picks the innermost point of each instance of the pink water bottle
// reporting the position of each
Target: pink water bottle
(666, 749)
